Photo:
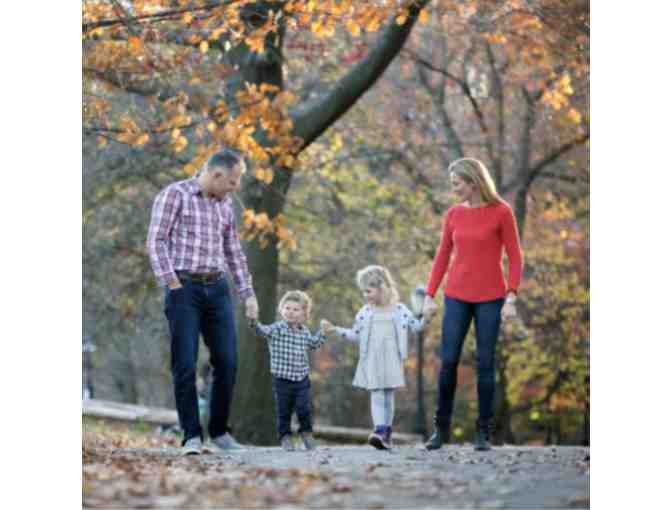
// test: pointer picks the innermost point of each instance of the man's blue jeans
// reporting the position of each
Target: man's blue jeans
(456, 321)
(193, 309)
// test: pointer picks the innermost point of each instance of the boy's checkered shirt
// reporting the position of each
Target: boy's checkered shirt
(288, 344)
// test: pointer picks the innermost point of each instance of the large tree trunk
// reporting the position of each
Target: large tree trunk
(253, 411)
(253, 415)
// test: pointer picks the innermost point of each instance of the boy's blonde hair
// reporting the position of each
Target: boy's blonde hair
(379, 277)
(298, 296)
(474, 171)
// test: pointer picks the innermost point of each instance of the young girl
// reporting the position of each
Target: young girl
(381, 327)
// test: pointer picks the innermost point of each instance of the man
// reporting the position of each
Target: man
(192, 241)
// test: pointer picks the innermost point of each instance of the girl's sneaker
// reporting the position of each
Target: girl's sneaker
(387, 438)
(376, 438)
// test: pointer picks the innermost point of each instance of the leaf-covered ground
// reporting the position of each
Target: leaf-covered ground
(142, 470)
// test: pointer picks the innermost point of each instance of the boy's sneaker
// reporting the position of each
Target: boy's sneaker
(192, 446)
(376, 438)
(227, 442)
(307, 440)
(287, 443)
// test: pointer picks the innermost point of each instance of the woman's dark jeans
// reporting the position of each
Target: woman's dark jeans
(456, 321)
(207, 309)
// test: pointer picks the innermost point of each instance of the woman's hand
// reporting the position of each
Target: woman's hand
(429, 308)
(326, 326)
(509, 308)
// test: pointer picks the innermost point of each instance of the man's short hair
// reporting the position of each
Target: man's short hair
(226, 158)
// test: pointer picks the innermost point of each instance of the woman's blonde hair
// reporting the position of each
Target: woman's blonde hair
(474, 171)
(378, 277)
(298, 296)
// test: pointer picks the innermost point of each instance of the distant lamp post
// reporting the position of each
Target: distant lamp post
(87, 349)
(417, 302)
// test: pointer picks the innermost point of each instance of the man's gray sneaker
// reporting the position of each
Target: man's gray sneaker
(287, 443)
(192, 446)
(227, 442)
(308, 441)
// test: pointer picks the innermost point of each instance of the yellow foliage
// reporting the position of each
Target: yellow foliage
(352, 27)
(180, 144)
(574, 116)
(424, 17)
(141, 140)
(255, 43)
(373, 25)
(264, 175)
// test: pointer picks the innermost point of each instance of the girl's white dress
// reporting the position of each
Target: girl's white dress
(382, 367)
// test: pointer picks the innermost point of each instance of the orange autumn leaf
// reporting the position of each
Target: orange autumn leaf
(135, 42)
(141, 140)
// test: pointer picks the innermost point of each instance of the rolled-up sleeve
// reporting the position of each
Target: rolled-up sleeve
(234, 255)
(164, 212)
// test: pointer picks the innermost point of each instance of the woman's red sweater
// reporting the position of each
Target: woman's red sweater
(475, 236)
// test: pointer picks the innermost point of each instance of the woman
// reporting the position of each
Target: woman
(474, 232)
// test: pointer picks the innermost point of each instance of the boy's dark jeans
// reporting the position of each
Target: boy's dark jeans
(202, 308)
(289, 396)
(456, 321)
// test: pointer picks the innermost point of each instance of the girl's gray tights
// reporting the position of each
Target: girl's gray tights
(382, 407)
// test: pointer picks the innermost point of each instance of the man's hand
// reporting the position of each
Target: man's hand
(251, 308)
(175, 284)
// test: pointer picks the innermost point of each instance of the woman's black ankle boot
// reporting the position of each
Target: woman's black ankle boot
(482, 440)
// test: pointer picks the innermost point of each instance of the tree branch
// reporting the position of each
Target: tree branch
(152, 17)
(536, 169)
(314, 118)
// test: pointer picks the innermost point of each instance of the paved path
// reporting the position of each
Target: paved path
(340, 477)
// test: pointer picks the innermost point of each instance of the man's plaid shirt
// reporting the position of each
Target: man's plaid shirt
(288, 344)
(189, 232)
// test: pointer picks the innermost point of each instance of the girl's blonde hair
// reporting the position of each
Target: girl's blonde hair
(298, 296)
(474, 171)
(379, 277)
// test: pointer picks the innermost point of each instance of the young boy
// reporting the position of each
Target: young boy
(288, 340)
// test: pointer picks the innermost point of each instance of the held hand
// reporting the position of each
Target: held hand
(251, 308)
(429, 308)
(326, 326)
(508, 311)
